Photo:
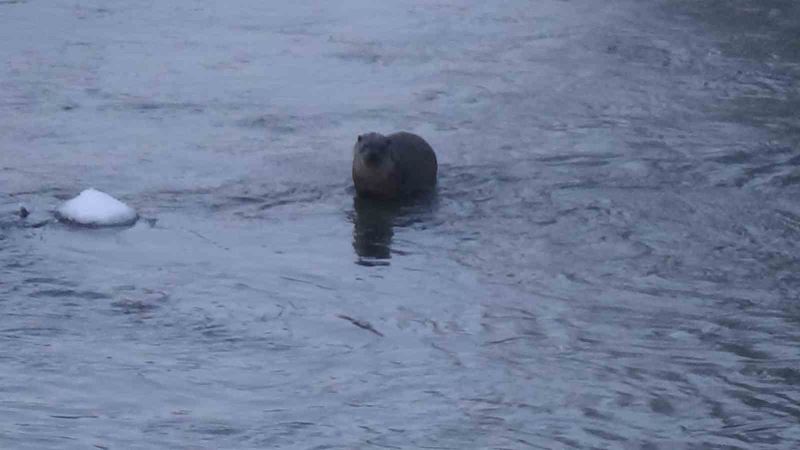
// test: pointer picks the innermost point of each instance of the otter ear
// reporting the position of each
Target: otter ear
(359, 138)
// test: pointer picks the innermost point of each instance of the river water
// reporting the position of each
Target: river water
(611, 260)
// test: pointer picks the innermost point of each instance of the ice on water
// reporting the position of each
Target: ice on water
(95, 208)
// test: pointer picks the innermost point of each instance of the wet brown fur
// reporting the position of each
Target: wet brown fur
(398, 165)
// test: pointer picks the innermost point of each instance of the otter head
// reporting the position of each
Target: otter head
(374, 171)
(373, 151)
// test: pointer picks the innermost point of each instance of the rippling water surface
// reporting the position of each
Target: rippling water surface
(611, 260)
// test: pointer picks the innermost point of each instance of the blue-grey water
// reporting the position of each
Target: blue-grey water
(611, 260)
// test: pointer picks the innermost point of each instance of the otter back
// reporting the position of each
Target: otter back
(416, 161)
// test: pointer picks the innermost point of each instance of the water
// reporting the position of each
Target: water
(611, 260)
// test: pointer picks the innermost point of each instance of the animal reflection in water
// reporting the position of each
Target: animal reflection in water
(374, 222)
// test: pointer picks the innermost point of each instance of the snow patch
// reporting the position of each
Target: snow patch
(96, 209)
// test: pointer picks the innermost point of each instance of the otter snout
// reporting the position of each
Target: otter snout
(372, 158)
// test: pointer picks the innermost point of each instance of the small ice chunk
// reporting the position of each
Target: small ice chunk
(96, 209)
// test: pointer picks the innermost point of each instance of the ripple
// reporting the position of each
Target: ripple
(69, 293)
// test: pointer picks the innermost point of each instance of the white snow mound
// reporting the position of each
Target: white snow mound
(94, 208)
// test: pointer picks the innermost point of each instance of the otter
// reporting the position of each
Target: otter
(399, 165)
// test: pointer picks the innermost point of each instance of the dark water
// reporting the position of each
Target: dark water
(611, 260)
